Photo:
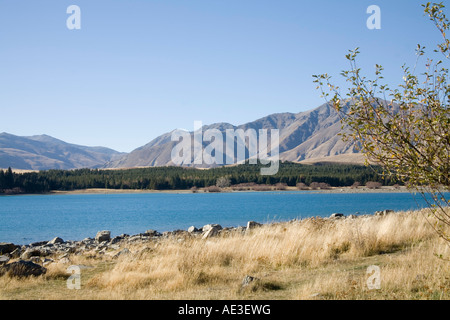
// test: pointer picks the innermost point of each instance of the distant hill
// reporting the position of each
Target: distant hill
(310, 136)
(306, 137)
(43, 152)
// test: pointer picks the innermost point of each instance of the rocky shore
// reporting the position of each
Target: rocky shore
(32, 259)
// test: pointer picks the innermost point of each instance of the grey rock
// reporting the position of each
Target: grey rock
(116, 240)
(71, 249)
(175, 233)
(65, 255)
(210, 226)
(38, 244)
(212, 232)
(4, 260)
(22, 268)
(247, 280)
(383, 212)
(253, 225)
(103, 236)
(56, 240)
(152, 233)
(47, 261)
(7, 247)
(135, 238)
(35, 259)
(30, 252)
(192, 229)
(16, 253)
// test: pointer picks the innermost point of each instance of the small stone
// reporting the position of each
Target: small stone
(46, 262)
(383, 212)
(38, 244)
(4, 260)
(252, 225)
(192, 229)
(210, 226)
(134, 238)
(35, 259)
(16, 253)
(151, 233)
(30, 252)
(247, 280)
(116, 240)
(103, 236)
(56, 240)
(211, 233)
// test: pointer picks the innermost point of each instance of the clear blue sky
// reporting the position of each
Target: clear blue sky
(139, 68)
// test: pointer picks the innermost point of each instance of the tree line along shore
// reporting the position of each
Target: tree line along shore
(237, 178)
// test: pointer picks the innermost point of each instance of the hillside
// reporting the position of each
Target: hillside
(306, 135)
(43, 152)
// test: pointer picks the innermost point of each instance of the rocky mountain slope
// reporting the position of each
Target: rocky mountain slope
(310, 136)
(304, 136)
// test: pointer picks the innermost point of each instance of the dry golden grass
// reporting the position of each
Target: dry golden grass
(309, 259)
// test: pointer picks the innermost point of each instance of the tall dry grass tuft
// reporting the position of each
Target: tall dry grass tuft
(313, 258)
(171, 267)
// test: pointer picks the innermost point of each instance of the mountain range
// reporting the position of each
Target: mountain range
(309, 136)
(43, 152)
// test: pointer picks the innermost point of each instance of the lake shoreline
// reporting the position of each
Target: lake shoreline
(384, 189)
(29, 219)
(295, 259)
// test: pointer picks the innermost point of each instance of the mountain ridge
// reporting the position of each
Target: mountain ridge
(312, 134)
(308, 136)
(43, 152)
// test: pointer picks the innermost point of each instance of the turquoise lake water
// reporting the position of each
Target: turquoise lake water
(31, 218)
